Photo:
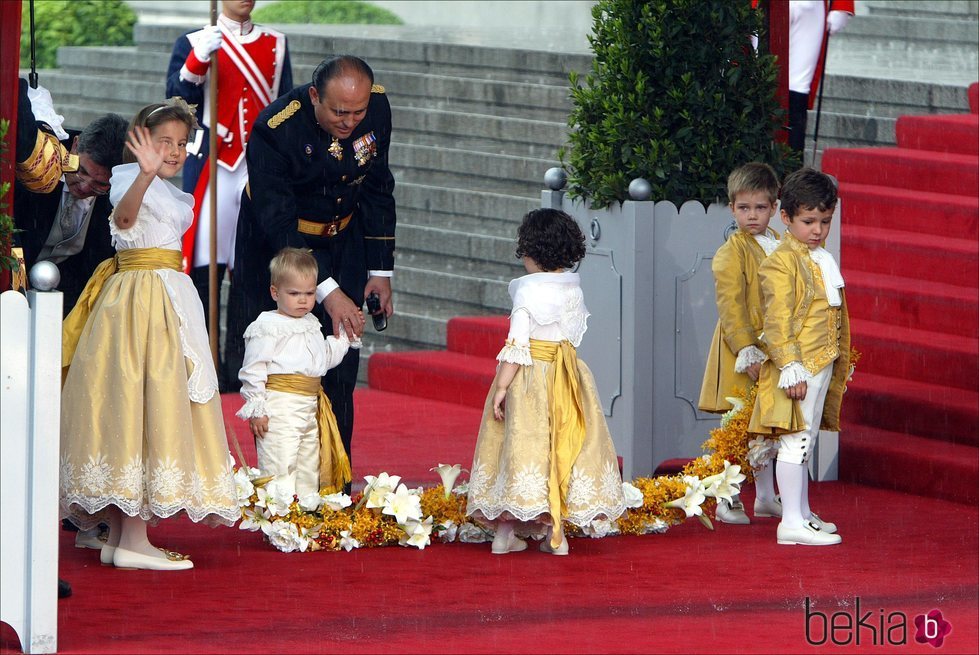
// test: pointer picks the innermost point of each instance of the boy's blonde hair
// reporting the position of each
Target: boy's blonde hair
(752, 177)
(298, 262)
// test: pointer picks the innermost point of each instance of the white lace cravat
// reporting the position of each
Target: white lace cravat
(832, 278)
(767, 243)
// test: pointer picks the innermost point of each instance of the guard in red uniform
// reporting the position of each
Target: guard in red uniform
(253, 70)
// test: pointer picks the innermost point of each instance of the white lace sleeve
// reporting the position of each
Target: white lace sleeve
(337, 347)
(253, 375)
(517, 347)
(749, 356)
(792, 374)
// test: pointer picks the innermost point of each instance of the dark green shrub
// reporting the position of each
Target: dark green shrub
(73, 22)
(676, 95)
(324, 11)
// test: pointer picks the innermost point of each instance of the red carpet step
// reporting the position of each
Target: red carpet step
(440, 375)
(915, 465)
(918, 408)
(914, 354)
(937, 172)
(482, 336)
(933, 257)
(902, 302)
(872, 205)
(942, 133)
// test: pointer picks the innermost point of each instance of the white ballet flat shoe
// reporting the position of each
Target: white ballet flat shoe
(769, 509)
(545, 546)
(732, 513)
(808, 535)
(825, 526)
(514, 544)
(107, 554)
(128, 559)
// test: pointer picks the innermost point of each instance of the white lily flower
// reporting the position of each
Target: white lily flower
(347, 542)
(449, 529)
(472, 534)
(632, 495)
(462, 488)
(736, 406)
(311, 502)
(285, 536)
(402, 505)
(726, 484)
(417, 533)
(243, 487)
(761, 451)
(252, 519)
(599, 528)
(278, 499)
(263, 496)
(656, 526)
(692, 499)
(379, 487)
(337, 501)
(448, 475)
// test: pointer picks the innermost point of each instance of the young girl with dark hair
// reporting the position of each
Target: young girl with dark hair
(544, 453)
(142, 433)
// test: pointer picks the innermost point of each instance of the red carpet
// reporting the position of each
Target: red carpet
(687, 591)
(910, 256)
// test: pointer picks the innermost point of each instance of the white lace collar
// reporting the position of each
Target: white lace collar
(274, 324)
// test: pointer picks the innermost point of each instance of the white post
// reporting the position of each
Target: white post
(30, 371)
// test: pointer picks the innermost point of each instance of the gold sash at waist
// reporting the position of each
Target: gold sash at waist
(334, 463)
(124, 260)
(567, 420)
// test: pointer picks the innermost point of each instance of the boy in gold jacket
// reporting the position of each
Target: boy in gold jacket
(737, 350)
(807, 330)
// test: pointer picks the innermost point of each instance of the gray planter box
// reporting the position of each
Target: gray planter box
(648, 284)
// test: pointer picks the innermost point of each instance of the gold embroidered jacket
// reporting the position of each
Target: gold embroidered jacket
(800, 326)
(740, 317)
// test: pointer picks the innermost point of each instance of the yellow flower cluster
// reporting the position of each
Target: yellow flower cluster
(656, 492)
(729, 441)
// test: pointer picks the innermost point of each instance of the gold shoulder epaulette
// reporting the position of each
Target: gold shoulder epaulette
(43, 168)
(285, 114)
(377, 88)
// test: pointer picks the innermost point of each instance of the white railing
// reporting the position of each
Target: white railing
(30, 394)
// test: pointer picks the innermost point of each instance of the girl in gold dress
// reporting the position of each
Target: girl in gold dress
(142, 433)
(544, 453)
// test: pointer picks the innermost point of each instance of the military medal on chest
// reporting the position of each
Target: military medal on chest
(336, 149)
(365, 148)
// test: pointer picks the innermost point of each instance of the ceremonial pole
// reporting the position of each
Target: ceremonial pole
(212, 163)
(819, 100)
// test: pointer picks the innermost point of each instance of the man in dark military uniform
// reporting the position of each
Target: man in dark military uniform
(319, 178)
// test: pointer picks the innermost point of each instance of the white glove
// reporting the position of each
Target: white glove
(836, 21)
(210, 41)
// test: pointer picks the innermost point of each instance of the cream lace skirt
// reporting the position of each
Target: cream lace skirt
(130, 435)
(510, 467)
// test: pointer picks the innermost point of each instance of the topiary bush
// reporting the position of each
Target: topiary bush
(73, 22)
(676, 95)
(324, 11)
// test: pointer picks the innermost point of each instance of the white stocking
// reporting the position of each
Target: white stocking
(793, 482)
(765, 483)
(115, 526)
(804, 505)
(133, 537)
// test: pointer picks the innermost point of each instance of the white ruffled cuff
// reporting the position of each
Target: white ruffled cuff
(515, 354)
(749, 356)
(254, 408)
(793, 374)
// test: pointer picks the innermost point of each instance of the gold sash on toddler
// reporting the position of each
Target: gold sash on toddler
(567, 419)
(334, 463)
(124, 260)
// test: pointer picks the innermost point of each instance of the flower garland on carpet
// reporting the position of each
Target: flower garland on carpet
(389, 513)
